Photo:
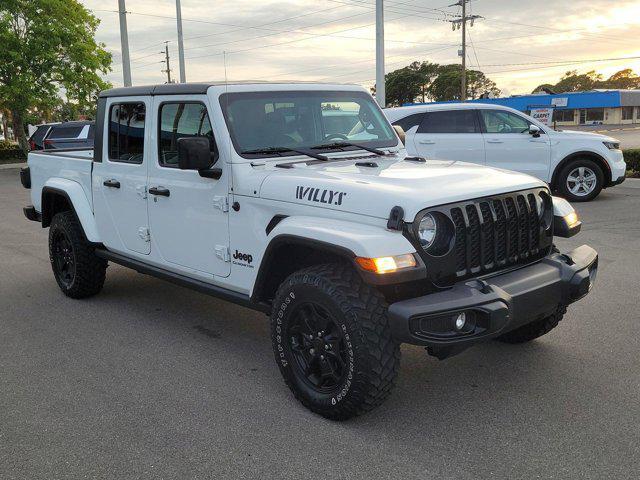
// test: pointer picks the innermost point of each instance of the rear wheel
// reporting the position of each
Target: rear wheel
(332, 341)
(76, 268)
(581, 180)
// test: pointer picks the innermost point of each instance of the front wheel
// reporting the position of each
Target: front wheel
(332, 341)
(580, 181)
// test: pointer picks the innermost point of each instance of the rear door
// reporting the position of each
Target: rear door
(120, 178)
(188, 213)
(450, 135)
(509, 145)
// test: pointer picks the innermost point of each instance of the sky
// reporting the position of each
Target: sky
(518, 44)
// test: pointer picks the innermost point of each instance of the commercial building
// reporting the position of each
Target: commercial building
(610, 107)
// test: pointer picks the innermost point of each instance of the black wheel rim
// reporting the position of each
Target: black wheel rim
(64, 261)
(318, 348)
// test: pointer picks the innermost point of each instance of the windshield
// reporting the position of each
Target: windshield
(303, 120)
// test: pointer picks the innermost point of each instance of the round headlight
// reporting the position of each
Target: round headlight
(436, 233)
(427, 230)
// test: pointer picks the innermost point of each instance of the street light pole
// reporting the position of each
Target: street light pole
(183, 75)
(380, 90)
(124, 44)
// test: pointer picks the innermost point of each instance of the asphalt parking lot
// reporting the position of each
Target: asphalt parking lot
(150, 380)
(629, 135)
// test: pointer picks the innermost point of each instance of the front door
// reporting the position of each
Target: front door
(120, 177)
(509, 145)
(188, 214)
(450, 135)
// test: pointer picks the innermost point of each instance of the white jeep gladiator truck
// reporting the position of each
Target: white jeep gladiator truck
(299, 201)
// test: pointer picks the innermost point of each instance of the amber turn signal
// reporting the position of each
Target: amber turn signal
(383, 265)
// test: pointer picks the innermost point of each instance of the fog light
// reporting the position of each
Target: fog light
(461, 321)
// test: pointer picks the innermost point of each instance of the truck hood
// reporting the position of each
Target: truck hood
(350, 186)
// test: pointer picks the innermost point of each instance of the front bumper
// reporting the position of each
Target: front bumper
(617, 181)
(494, 305)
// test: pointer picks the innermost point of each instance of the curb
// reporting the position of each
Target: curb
(7, 166)
(631, 183)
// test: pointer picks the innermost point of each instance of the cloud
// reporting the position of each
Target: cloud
(334, 40)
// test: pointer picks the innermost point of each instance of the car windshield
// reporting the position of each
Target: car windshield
(303, 120)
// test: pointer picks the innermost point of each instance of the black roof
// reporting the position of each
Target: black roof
(166, 89)
(178, 88)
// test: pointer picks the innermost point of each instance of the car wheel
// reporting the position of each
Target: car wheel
(76, 268)
(332, 341)
(580, 180)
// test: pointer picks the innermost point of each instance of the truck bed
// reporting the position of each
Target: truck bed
(47, 167)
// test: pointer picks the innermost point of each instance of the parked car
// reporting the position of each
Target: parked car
(577, 165)
(256, 194)
(36, 140)
(70, 135)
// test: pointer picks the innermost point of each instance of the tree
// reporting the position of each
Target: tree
(624, 80)
(573, 82)
(447, 84)
(411, 83)
(48, 46)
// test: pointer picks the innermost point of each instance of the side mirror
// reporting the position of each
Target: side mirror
(534, 130)
(194, 153)
(401, 133)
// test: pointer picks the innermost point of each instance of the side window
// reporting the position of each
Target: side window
(126, 132)
(65, 132)
(409, 122)
(450, 121)
(499, 121)
(179, 120)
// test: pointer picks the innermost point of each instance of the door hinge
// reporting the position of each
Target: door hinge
(144, 234)
(222, 252)
(221, 203)
(142, 191)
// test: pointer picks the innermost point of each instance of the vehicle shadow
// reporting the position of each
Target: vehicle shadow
(492, 383)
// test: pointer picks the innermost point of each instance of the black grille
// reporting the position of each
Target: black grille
(495, 232)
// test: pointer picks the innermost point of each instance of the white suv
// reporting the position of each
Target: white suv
(578, 165)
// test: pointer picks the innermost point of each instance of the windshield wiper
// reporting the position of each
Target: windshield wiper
(280, 150)
(347, 144)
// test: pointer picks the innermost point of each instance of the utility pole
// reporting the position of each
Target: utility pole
(463, 80)
(380, 90)
(166, 60)
(461, 23)
(124, 44)
(183, 75)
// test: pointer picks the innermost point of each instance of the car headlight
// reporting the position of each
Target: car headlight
(612, 145)
(435, 233)
(427, 230)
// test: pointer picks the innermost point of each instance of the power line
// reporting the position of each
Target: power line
(264, 24)
(316, 35)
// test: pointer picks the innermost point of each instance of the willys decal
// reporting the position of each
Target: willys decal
(320, 195)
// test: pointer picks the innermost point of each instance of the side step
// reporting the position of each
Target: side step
(198, 285)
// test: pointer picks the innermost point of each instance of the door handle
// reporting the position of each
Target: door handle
(427, 142)
(111, 183)
(494, 140)
(160, 191)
